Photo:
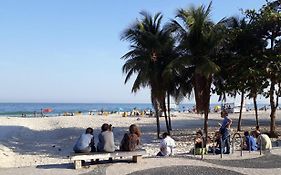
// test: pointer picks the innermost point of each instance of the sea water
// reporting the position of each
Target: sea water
(29, 109)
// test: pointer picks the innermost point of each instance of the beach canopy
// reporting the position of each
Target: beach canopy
(47, 110)
(217, 108)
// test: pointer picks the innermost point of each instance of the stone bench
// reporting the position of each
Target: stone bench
(78, 157)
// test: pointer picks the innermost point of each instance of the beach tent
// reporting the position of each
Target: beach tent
(47, 110)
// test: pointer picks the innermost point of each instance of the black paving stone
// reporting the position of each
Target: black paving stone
(185, 170)
(265, 162)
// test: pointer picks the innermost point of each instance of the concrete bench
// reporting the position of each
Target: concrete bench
(78, 157)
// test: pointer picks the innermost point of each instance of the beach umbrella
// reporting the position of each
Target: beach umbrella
(217, 108)
(47, 110)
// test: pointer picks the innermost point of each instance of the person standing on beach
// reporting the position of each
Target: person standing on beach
(106, 139)
(85, 143)
(225, 132)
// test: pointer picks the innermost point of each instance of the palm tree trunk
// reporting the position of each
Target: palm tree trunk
(165, 114)
(271, 98)
(202, 90)
(273, 108)
(272, 122)
(199, 88)
(157, 123)
(169, 111)
(206, 113)
(256, 109)
(240, 114)
(156, 108)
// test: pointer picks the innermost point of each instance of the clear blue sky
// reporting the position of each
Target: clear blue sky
(70, 50)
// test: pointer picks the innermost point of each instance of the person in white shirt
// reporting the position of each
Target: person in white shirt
(264, 142)
(166, 145)
(85, 143)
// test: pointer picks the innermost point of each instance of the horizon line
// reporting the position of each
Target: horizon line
(262, 102)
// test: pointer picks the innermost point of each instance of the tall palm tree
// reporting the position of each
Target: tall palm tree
(268, 28)
(151, 51)
(241, 63)
(198, 39)
(241, 68)
(177, 84)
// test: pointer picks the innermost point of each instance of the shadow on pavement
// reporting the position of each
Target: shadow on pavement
(266, 161)
(56, 166)
(185, 170)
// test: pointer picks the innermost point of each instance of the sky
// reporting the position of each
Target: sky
(70, 50)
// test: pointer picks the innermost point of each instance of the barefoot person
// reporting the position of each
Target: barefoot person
(85, 143)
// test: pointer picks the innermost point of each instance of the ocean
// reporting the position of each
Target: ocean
(29, 109)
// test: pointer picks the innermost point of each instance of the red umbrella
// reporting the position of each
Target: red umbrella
(47, 110)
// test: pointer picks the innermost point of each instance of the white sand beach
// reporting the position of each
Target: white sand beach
(41, 141)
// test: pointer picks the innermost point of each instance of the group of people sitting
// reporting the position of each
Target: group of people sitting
(86, 143)
(221, 142)
(255, 140)
(130, 141)
(221, 139)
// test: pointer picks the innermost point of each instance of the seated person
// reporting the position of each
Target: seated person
(131, 140)
(85, 143)
(264, 142)
(106, 139)
(250, 142)
(200, 145)
(216, 147)
(199, 139)
(166, 145)
(256, 132)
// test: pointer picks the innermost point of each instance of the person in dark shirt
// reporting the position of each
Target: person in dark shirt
(131, 140)
(199, 139)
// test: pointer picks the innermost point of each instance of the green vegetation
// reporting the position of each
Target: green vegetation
(193, 54)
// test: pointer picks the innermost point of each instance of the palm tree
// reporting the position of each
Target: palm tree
(268, 28)
(198, 39)
(177, 84)
(151, 50)
(241, 68)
